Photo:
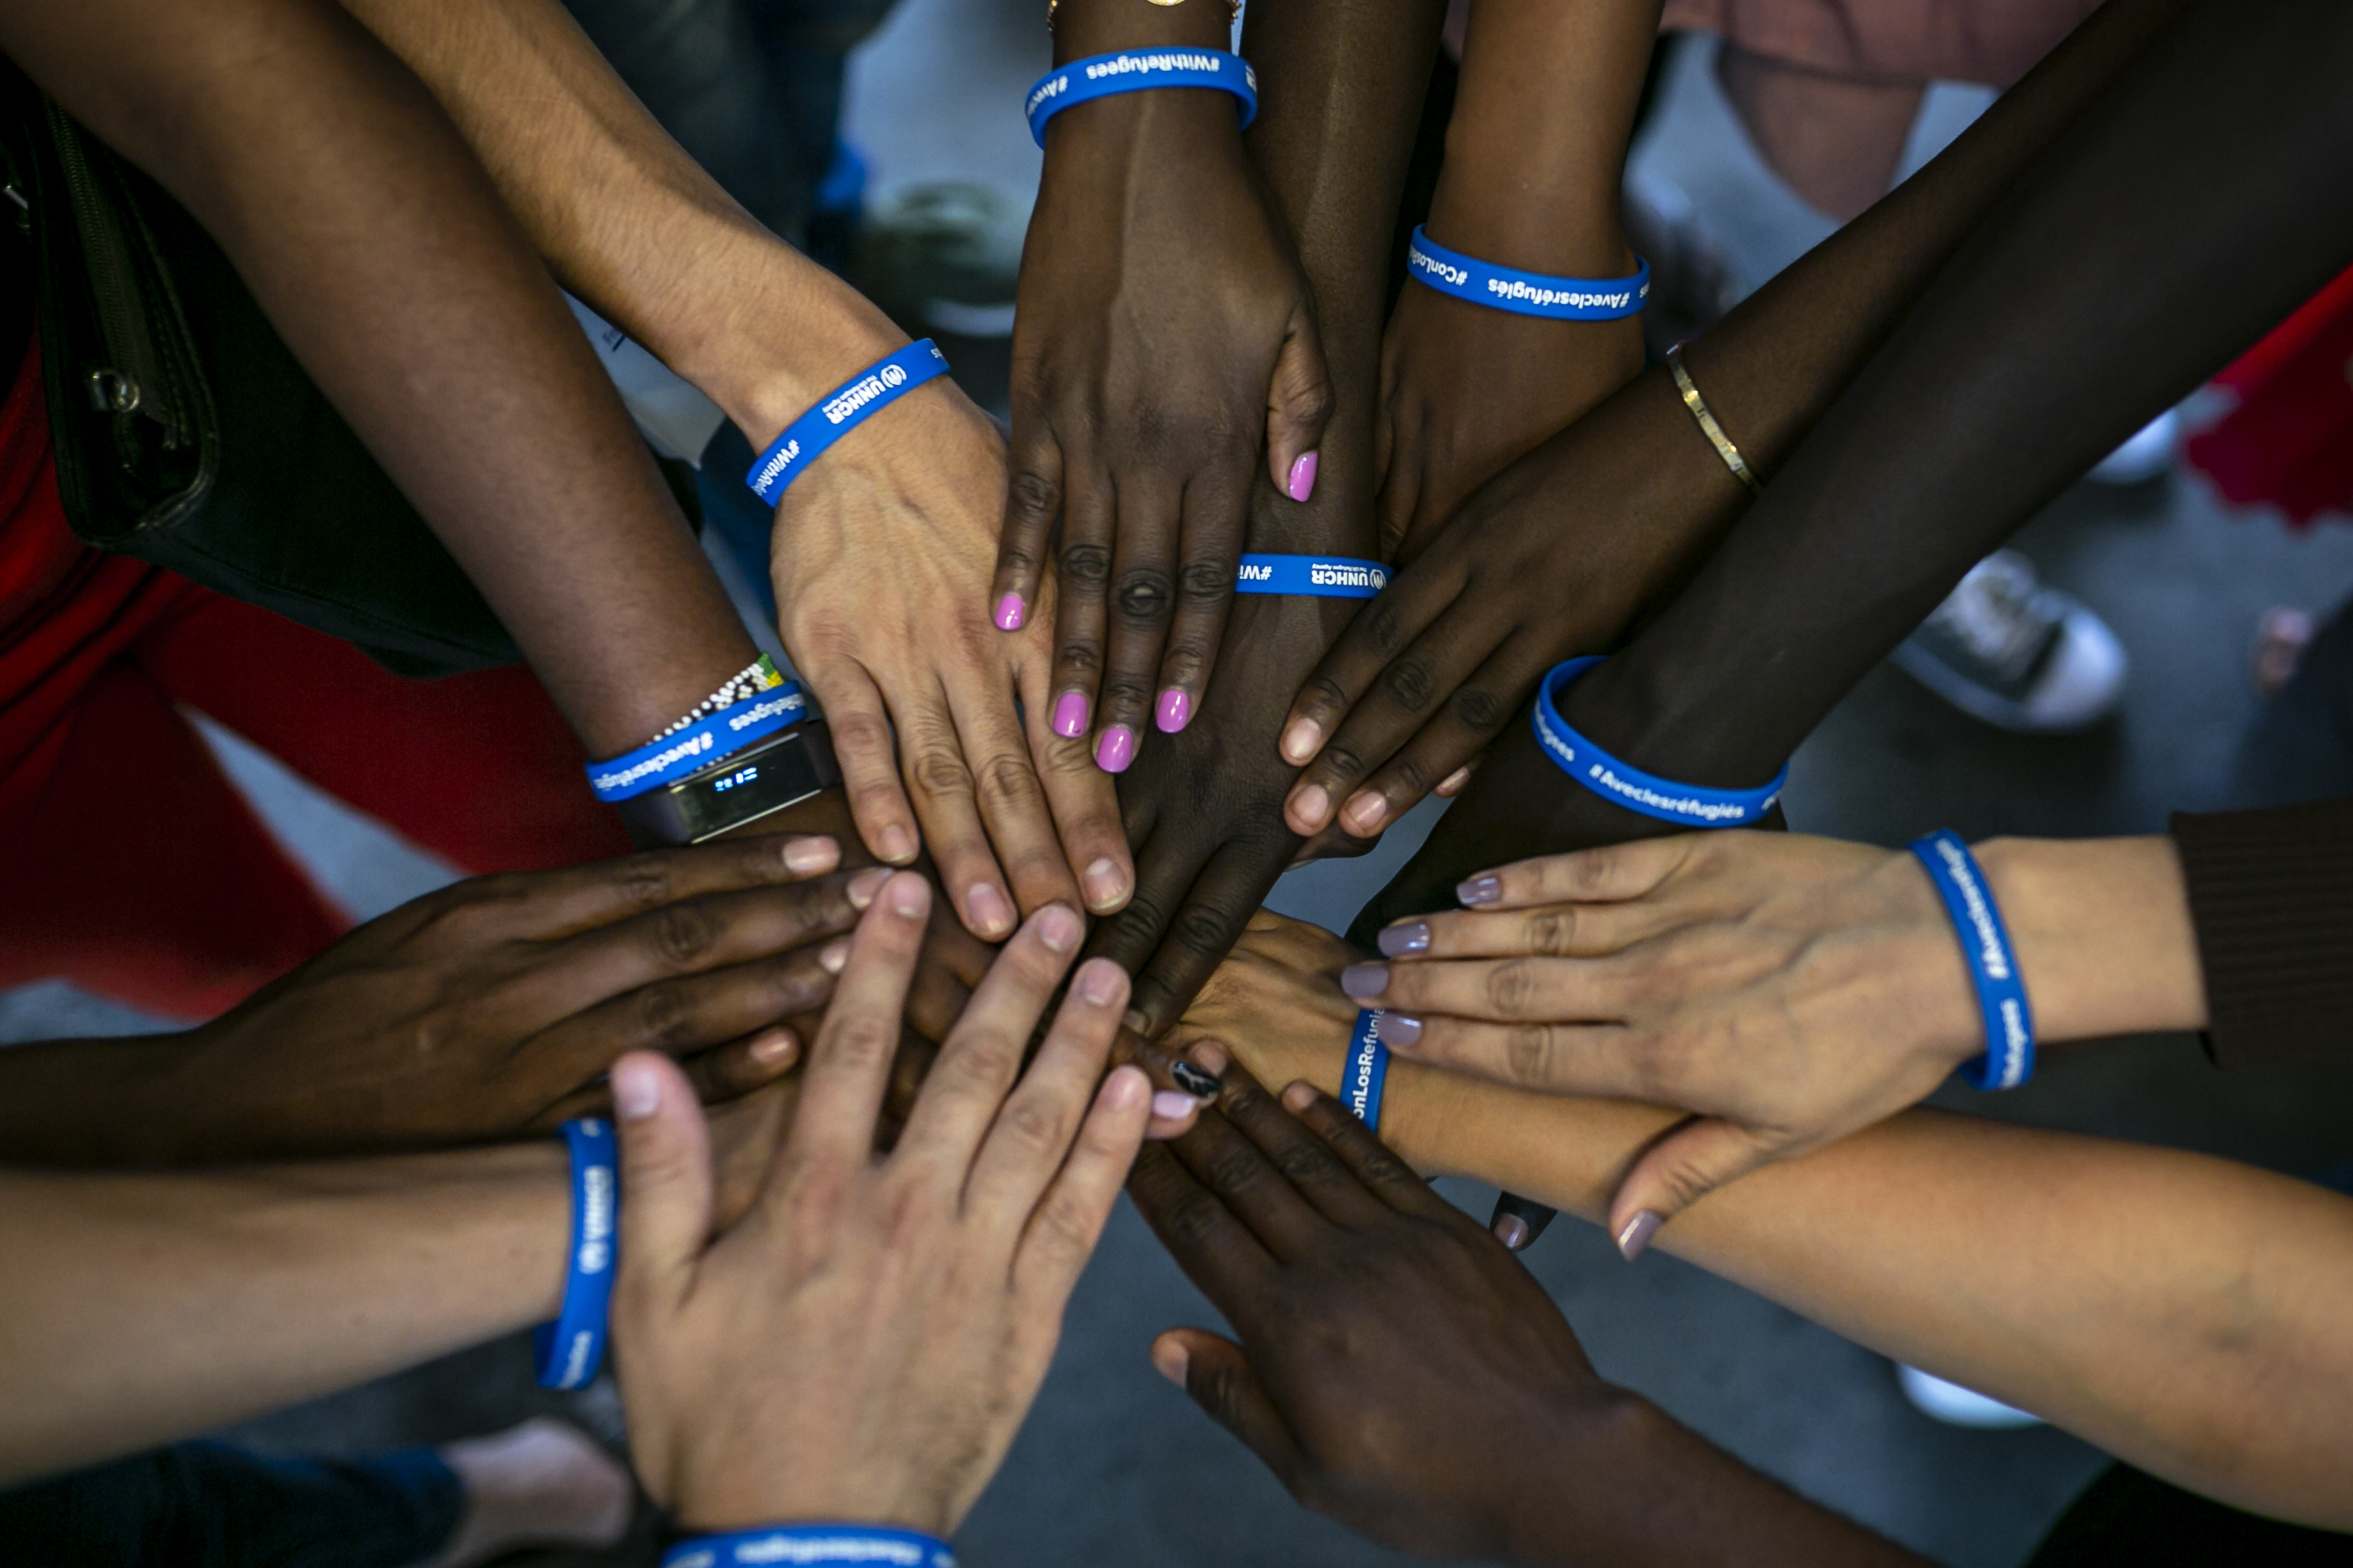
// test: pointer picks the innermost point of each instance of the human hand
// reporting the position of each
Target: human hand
(904, 1306)
(1397, 1369)
(1163, 332)
(1275, 1004)
(1551, 558)
(494, 1007)
(879, 556)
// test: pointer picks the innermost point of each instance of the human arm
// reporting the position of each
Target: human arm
(2177, 1310)
(1535, 156)
(1403, 1374)
(883, 547)
(1559, 554)
(906, 1304)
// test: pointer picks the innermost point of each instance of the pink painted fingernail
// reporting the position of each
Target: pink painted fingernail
(1070, 715)
(1170, 1105)
(1010, 613)
(1116, 750)
(1638, 1233)
(1175, 711)
(1301, 482)
(1512, 1231)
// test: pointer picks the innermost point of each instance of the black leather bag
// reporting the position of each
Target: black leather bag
(187, 435)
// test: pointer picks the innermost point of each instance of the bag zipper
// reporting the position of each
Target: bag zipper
(133, 383)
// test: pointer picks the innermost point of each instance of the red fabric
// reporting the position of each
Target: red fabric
(2288, 442)
(129, 864)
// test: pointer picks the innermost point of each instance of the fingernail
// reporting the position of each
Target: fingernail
(636, 1092)
(1010, 612)
(1209, 1056)
(1127, 1086)
(910, 896)
(1169, 1360)
(1171, 1106)
(1365, 813)
(1512, 1231)
(808, 857)
(1480, 890)
(1106, 885)
(895, 844)
(1100, 982)
(775, 1049)
(1638, 1233)
(1298, 1096)
(1301, 482)
(1070, 715)
(1451, 785)
(833, 955)
(1194, 1081)
(991, 915)
(1133, 1021)
(1299, 741)
(1412, 936)
(1058, 927)
(1312, 807)
(1175, 711)
(1397, 1028)
(1116, 750)
(865, 885)
(1365, 981)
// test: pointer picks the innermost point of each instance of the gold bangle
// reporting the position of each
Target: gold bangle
(1707, 425)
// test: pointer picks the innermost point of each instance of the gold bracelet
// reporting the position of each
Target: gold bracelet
(1707, 425)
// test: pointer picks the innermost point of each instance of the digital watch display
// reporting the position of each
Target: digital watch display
(741, 787)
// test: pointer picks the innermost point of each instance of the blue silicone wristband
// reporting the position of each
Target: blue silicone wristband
(570, 1349)
(853, 403)
(2008, 1060)
(699, 744)
(1318, 576)
(797, 1545)
(1134, 70)
(1526, 293)
(1623, 784)
(1367, 1071)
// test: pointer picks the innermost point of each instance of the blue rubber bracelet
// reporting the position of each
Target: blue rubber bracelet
(699, 744)
(2009, 1060)
(1623, 784)
(860, 398)
(1367, 1070)
(796, 1544)
(1526, 293)
(1134, 70)
(1319, 576)
(570, 1349)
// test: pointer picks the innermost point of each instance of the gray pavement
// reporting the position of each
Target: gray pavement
(1115, 1466)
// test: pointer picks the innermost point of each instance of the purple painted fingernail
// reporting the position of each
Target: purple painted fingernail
(1479, 890)
(1397, 1028)
(1010, 613)
(1365, 981)
(1070, 715)
(1176, 711)
(1512, 1231)
(1301, 484)
(1397, 941)
(1116, 750)
(1638, 1233)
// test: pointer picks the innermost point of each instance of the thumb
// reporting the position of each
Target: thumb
(665, 1180)
(1298, 405)
(1215, 1371)
(1691, 1161)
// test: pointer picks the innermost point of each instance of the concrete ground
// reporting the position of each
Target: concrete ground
(1115, 1466)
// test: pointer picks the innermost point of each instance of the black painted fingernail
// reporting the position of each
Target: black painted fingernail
(1200, 1084)
(1397, 1029)
(1365, 981)
(1398, 941)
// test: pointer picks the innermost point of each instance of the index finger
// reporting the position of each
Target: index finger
(544, 905)
(1416, 597)
(850, 1063)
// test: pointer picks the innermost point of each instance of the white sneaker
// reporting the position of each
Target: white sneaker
(1959, 1407)
(2146, 453)
(2010, 650)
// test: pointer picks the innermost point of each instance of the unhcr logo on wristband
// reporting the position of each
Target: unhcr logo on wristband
(861, 397)
(1314, 576)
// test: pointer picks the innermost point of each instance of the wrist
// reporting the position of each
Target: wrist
(804, 339)
(1616, 1443)
(1084, 27)
(2101, 931)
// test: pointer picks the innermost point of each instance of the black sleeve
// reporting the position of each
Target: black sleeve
(2270, 895)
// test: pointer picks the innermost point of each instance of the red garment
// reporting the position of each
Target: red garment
(129, 864)
(2288, 441)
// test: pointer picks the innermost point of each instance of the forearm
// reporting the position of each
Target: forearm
(625, 219)
(384, 257)
(143, 1308)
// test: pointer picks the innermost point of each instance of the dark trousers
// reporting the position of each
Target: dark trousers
(2301, 748)
(206, 1505)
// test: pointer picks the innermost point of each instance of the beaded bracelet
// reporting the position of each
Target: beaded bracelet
(760, 675)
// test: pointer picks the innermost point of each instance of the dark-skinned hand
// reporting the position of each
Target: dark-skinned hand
(1164, 338)
(1552, 558)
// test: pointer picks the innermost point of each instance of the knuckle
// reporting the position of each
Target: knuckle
(1204, 583)
(1411, 774)
(1410, 684)
(1086, 567)
(1551, 931)
(1006, 781)
(1511, 988)
(645, 881)
(1035, 1128)
(1477, 710)
(1384, 627)
(1204, 933)
(1528, 1053)
(662, 1018)
(1078, 660)
(681, 933)
(940, 770)
(1343, 761)
(1145, 596)
(1033, 498)
(1018, 558)
(1324, 695)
